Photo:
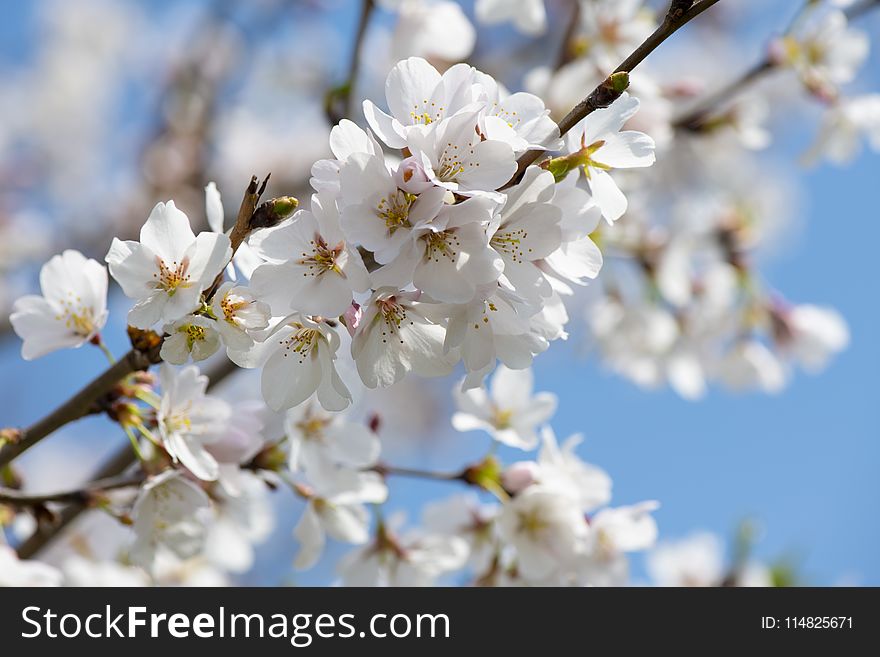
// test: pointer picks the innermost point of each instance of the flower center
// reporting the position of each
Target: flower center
(77, 317)
(502, 417)
(531, 523)
(179, 420)
(394, 315)
(194, 333)
(426, 113)
(441, 245)
(451, 163)
(312, 428)
(394, 210)
(230, 307)
(302, 343)
(324, 258)
(510, 243)
(170, 278)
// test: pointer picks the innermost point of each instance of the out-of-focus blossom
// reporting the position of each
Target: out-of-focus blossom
(71, 311)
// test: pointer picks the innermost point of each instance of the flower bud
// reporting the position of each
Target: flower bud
(519, 476)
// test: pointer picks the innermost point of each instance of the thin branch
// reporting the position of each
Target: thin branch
(566, 50)
(386, 470)
(338, 104)
(680, 14)
(17, 441)
(82, 495)
(694, 118)
(861, 8)
(14, 442)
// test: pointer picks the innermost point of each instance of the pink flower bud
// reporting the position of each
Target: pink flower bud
(352, 317)
(519, 476)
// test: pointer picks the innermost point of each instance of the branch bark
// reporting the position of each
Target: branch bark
(680, 14)
(694, 117)
(18, 441)
(115, 466)
(82, 495)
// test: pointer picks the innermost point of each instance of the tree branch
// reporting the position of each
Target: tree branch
(386, 470)
(338, 103)
(117, 464)
(17, 441)
(680, 13)
(14, 442)
(82, 495)
(694, 118)
(566, 50)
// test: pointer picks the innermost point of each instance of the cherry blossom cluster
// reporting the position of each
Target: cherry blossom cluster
(550, 523)
(425, 249)
(418, 262)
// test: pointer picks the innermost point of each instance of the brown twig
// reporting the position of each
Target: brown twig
(386, 470)
(83, 495)
(680, 14)
(18, 441)
(117, 464)
(338, 102)
(696, 116)
(566, 49)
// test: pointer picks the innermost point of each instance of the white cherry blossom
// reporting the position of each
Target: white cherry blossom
(396, 335)
(456, 156)
(310, 267)
(389, 560)
(169, 268)
(193, 336)
(318, 441)
(240, 315)
(448, 258)
(71, 311)
(602, 147)
(614, 28)
(297, 359)
(845, 124)
(189, 419)
(337, 509)
(547, 529)
(430, 28)
(418, 95)
(527, 230)
(528, 16)
(826, 52)
(376, 213)
(509, 412)
(171, 513)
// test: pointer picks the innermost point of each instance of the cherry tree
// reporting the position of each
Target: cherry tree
(452, 229)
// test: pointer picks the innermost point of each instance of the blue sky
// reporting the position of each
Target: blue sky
(803, 463)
